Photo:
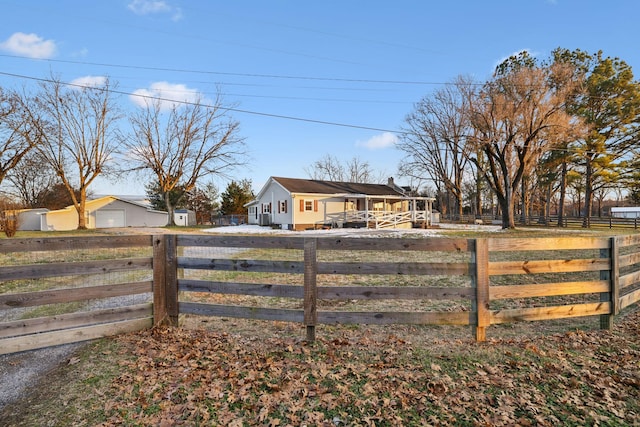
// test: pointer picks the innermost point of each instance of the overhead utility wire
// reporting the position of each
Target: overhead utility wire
(223, 73)
(257, 113)
(236, 110)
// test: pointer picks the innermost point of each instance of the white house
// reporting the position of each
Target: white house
(104, 212)
(299, 204)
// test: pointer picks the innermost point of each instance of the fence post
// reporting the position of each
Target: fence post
(165, 281)
(310, 288)
(481, 282)
(613, 277)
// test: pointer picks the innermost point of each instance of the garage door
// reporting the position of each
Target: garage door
(109, 218)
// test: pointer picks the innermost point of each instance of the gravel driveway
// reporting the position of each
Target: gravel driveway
(20, 372)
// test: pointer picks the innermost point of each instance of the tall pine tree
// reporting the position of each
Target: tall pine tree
(235, 196)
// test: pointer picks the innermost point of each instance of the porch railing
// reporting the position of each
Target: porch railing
(385, 219)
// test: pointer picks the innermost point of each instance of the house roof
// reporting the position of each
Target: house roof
(313, 186)
(95, 204)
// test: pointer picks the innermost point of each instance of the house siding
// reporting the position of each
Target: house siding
(276, 196)
(303, 204)
(270, 204)
(61, 220)
(135, 215)
(29, 219)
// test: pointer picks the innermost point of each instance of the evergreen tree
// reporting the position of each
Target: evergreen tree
(235, 196)
(157, 198)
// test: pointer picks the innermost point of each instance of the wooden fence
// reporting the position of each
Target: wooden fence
(63, 290)
(595, 222)
(485, 281)
(312, 281)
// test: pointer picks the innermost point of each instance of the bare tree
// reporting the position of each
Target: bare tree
(184, 144)
(17, 135)
(516, 117)
(32, 179)
(78, 129)
(434, 139)
(330, 168)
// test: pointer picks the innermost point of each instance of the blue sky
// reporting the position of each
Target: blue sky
(307, 78)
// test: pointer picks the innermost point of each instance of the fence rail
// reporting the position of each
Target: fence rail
(486, 270)
(308, 280)
(73, 294)
(567, 222)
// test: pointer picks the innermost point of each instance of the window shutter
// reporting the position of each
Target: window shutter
(285, 206)
(301, 205)
(315, 206)
(270, 209)
(278, 206)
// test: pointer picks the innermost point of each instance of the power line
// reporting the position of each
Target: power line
(224, 73)
(236, 110)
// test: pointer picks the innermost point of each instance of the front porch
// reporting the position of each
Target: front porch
(382, 212)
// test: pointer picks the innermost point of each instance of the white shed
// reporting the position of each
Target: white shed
(29, 219)
(625, 212)
(184, 217)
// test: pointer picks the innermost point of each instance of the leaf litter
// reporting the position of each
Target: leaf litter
(350, 376)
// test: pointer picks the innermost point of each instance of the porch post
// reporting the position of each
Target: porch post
(366, 211)
(413, 210)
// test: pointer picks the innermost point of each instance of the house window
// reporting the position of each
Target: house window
(282, 206)
(266, 208)
(308, 206)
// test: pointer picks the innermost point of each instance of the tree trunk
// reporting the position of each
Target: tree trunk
(460, 203)
(563, 192)
(523, 190)
(479, 197)
(588, 194)
(170, 209)
(507, 208)
(600, 207)
(546, 205)
(82, 219)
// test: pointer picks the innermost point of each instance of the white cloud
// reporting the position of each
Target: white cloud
(80, 53)
(171, 94)
(89, 81)
(147, 7)
(31, 45)
(378, 142)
